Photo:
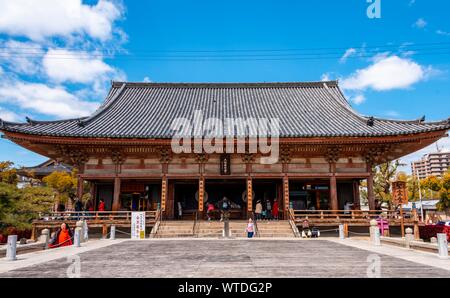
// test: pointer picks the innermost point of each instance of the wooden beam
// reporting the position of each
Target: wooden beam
(116, 196)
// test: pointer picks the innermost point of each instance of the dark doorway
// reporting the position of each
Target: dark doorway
(309, 194)
(233, 189)
(185, 199)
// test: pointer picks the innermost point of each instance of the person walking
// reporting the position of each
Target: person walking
(268, 209)
(258, 210)
(275, 209)
(250, 228)
(62, 237)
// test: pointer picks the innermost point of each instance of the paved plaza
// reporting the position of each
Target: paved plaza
(229, 258)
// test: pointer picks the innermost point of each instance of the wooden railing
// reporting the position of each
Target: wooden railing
(150, 216)
(349, 215)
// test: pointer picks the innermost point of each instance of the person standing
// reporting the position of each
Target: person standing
(258, 210)
(268, 209)
(180, 210)
(347, 207)
(275, 209)
(250, 228)
(101, 205)
(209, 210)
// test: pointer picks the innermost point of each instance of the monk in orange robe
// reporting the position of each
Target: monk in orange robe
(63, 237)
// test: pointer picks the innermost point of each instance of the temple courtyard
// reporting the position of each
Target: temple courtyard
(227, 258)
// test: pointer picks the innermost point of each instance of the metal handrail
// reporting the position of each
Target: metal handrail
(195, 215)
(255, 224)
(158, 220)
(292, 222)
(348, 214)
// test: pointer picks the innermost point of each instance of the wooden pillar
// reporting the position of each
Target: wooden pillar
(116, 196)
(249, 196)
(356, 198)
(333, 193)
(370, 193)
(201, 196)
(163, 193)
(286, 192)
(80, 183)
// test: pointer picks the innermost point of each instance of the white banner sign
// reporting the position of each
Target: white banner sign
(137, 225)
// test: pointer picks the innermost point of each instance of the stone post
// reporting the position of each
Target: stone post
(226, 227)
(408, 237)
(11, 248)
(112, 234)
(45, 237)
(442, 245)
(77, 237)
(341, 232)
(374, 233)
(85, 231)
(80, 225)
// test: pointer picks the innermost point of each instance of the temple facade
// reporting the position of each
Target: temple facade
(125, 149)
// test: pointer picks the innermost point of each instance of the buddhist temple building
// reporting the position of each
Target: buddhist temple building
(325, 148)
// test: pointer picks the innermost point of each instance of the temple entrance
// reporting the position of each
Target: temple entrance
(267, 191)
(309, 194)
(185, 199)
(140, 195)
(233, 189)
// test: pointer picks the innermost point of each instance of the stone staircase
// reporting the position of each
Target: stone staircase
(274, 228)
(175, 229)
(214, 229)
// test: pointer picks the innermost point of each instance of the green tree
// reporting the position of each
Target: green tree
(63, 184)
(18, 207)
(383, 175)
(8, 174)
(440, 185)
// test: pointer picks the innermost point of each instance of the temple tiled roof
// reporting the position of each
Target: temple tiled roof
(146, 110)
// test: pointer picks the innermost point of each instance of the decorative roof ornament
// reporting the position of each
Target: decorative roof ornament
(370, 121)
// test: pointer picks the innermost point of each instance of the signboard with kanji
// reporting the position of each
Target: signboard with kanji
(137, 225)
(399, 193)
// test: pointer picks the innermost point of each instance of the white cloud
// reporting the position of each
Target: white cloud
(441, 32)
(443, 144)
(8, 115)
(147, 80)
(21, 57)
(392, 113)
(53, 101)
(387, 73)
(348, 53)
(420, 23)
(67, 66)
(38, 20)
(357, 99)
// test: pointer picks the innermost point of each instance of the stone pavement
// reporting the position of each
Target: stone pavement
(229, 258)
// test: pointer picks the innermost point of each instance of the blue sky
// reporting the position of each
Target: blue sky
(57, 58)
